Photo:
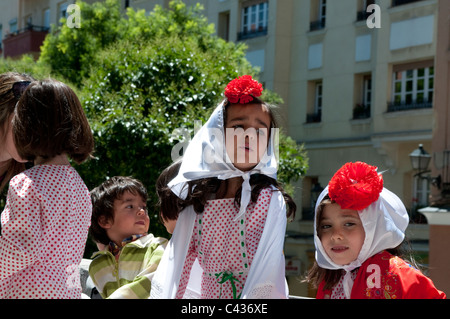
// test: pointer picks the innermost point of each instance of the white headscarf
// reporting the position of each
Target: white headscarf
(384, 222)
(206, 157)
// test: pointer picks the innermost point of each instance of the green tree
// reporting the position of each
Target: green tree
(70, 51)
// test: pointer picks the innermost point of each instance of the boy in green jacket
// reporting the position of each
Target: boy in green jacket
(129, 256)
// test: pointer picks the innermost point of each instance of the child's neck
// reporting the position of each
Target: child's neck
(56, 160)
(229, 187)
(4, 167)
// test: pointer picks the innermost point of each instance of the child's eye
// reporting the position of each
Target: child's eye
(325, 226)
(238, 126)
(349, 224)
(261, 131)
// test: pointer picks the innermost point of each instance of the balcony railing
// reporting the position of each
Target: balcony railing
(401, 2)
(361, 111)
(317, 25)
(362, 15)
(26, 40)
(395, 107)
(314, 118)
(29, 27)
(261, 31)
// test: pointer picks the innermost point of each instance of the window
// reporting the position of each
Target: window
(319, 12)
(223, 29)
(322, 11)
(254, 20)
(421, 191)
(46, 19)
(62, 11)
(412, 89)
(362, 13)
(13, 25)
(362, 109)
(318, 101)
(316, 115)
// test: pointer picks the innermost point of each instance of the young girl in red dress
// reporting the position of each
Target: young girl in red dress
(48, 209)
(228, 241)
(358, 228)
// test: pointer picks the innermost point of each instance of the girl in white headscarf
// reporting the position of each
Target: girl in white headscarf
(358, 229)
(228, 241)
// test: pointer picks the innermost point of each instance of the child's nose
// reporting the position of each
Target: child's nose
(337, 235)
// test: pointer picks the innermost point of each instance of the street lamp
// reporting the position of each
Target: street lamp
(420, 159)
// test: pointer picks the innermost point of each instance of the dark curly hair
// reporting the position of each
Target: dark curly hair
(103, 198)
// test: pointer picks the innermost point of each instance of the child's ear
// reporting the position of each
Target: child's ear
(104, 222)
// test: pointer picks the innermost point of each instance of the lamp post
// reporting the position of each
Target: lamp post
(420, 159)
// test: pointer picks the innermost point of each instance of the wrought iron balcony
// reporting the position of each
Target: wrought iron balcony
(395, 107)
(261, 31)
(314, 118)
(317, 25)
(401, 2)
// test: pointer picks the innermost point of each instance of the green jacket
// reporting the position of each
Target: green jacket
(130, 276)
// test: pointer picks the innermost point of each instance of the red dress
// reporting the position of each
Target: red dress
(385, 276)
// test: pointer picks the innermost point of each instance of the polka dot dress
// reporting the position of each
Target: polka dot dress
(338, 290)
(43, 233)
(225, 247)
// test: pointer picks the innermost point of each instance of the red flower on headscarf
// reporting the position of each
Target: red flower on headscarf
(243, 89)
(355, 186)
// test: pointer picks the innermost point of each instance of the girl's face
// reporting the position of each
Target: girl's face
(247, 134)
(10, 151)
(341, 233)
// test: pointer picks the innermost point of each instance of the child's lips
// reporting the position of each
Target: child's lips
(141, 222)
(339, 249)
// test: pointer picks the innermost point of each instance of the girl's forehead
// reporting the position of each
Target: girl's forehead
(333, 210)
(248, 111)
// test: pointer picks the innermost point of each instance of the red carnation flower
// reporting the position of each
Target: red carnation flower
(243, 89)
(355, 186)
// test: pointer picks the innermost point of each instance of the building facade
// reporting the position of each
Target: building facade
(357, 80)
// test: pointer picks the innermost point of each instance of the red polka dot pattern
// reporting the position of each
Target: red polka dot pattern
(44, 230)
(225, 246)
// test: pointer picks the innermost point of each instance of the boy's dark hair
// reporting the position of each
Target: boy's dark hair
(169, 204)
(49, 121)
(103, 197)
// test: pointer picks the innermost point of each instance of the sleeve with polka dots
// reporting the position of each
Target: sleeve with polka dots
(21, 227)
